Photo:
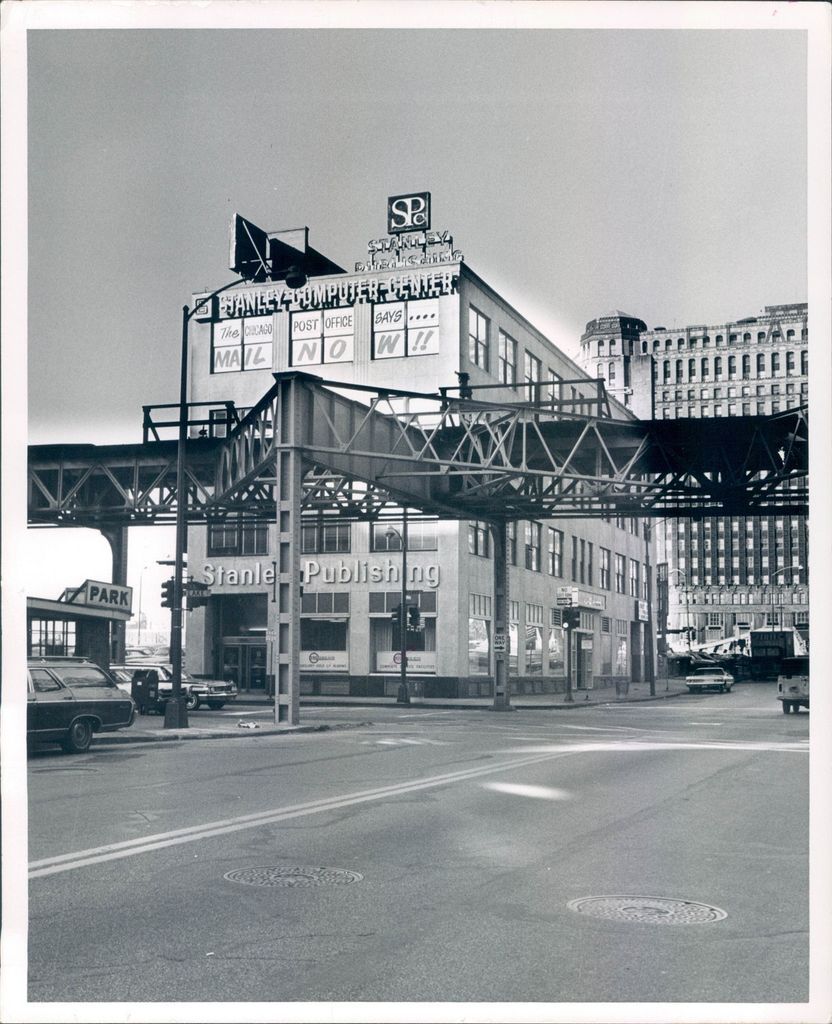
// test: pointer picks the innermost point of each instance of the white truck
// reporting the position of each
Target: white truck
(793, 684)
(709, 677)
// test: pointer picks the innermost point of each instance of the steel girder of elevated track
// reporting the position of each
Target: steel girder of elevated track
(367, 450)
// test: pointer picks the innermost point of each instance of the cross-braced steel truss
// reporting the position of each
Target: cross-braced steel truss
(366, 451)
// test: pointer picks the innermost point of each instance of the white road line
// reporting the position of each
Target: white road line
(132, 847)
(146, 844)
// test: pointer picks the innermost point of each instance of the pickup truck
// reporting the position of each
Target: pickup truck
(197, 692)
(710, 677)
(793, 684)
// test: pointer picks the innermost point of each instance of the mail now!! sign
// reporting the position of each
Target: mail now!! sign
(408, 213)
(107, 595)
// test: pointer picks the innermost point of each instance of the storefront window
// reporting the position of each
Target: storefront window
(621, 664)
(385, 646)
(326, 640)
(606, 655)
(534, 650)
(512, 644)
(557, 665)
(478, 647)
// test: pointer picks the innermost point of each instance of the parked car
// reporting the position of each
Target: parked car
(198, 692)
(710, 677)
(70, 699)
(793, 684)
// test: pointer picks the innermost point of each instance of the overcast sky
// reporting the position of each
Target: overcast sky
(658, 172)
(662, 173)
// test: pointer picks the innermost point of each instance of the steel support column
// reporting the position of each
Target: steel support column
(284, 617)
(502, 694)
(116, 537)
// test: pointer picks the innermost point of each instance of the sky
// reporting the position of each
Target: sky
(660, 172)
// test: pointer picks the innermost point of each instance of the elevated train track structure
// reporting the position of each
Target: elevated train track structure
(365, 450)
(361, 453)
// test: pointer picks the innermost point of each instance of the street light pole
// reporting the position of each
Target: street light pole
(683, 574)
(176, 713)
(403, 695)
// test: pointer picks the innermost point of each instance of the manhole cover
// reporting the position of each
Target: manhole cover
(293, 877)
(647, 910)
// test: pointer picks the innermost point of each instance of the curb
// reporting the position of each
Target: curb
(121, 738)
(192, 734)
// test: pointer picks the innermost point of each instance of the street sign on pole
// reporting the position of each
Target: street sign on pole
(499, 643)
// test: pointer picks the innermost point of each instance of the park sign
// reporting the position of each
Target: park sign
(96, 594)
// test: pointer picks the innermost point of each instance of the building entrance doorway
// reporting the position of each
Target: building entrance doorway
(244, 663)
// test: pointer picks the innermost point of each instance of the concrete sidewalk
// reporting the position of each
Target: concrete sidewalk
(150, 728)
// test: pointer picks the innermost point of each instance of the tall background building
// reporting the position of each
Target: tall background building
(729, 574)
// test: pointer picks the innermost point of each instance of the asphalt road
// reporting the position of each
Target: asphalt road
(453, 843)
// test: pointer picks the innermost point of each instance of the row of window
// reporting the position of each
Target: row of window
(745, 392)
(732, 366)
(608, 345)
(239, 536)
(539, 387)
(732, 409)
(582, 571)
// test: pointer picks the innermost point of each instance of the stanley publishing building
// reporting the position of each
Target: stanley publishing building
(730, 574)
(413, 315)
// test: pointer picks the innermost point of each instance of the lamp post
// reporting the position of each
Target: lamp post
(141, 585)
(176, 714)
(684, 576)
(774, 576)
(403, 695)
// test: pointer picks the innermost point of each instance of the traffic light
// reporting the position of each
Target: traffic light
(570, 618)
(414, 619)
(167, 594)
(396, 615)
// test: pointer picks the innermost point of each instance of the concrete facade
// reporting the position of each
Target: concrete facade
(414, 329)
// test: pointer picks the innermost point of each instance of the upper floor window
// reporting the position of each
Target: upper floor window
(620, 580)
(319, 536)
(691, 369)
(732, 366)
(718, 367)
(421, 536)
(606, 569)
(775, 362)
(478, 338)
(507, 359)
(601, 347)
(237, 535)
(761, 364)
(555, 552)
(705, 369)
(533, 533)
(746, 366)
(790, 362)
(531, 376)
(478, 539)
(804, 362)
